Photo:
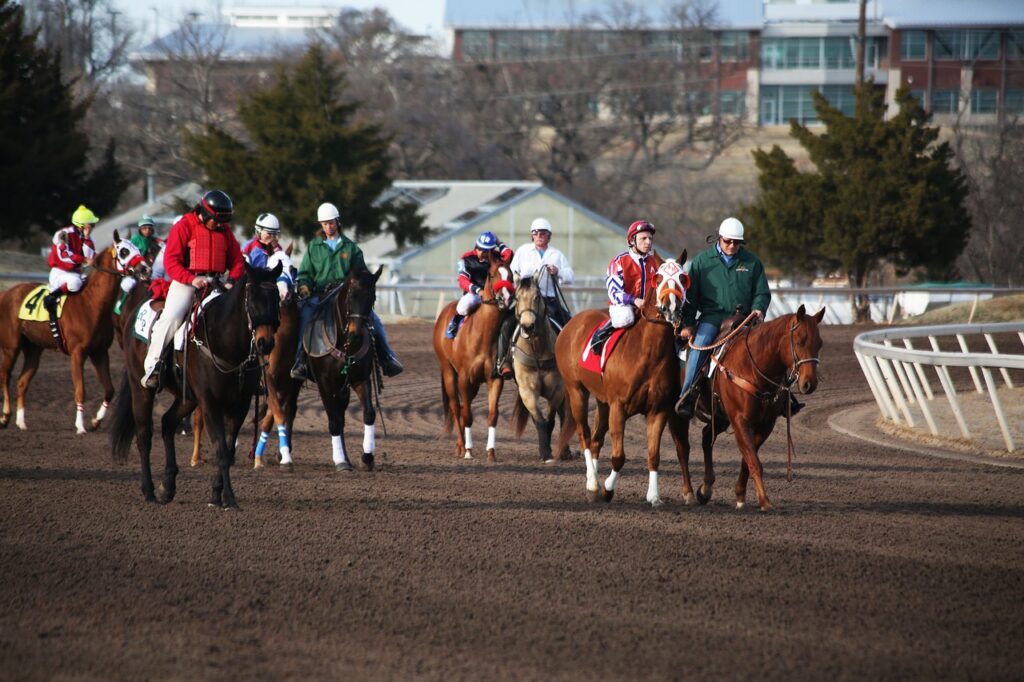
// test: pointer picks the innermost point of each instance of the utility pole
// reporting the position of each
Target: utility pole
(861, 39)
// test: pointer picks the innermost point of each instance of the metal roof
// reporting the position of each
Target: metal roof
(941, 13)
(239, 42)
(561, 14)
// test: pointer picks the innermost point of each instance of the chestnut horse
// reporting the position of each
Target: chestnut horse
(640, 377)
(86, 326)
(467, 361)
(221, 374)
(750, 390)
(537, 377)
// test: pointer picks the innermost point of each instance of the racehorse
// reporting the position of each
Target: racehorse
(537, 377)
(221, 373)
(348, 362)
(86, 328)
(640, 377)
(467, 361)
(752, 384)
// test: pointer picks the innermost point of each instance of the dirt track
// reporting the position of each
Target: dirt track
(877, 563)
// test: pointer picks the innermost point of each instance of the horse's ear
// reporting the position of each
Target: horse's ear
(288, 249)
(800, 313)
(117, 237)
(376, 275)
(277, 269)
(682, 258)
(818, 316)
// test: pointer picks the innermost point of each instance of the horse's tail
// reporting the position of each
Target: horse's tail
(519, 415)
(446, 428)
(122, 422)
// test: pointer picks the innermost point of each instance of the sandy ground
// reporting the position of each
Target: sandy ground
(877, 563)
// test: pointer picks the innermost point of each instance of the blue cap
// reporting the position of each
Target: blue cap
(486, 241)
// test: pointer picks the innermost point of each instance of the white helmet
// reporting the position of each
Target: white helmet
(268, 222)
(327, 211)
(540, 224)
(731, 229)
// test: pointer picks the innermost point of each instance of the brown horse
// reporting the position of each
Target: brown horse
(467, 361)
(750, 389)
(86, 326)
(640, 377)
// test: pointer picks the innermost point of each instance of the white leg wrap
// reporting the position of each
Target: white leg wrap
(468, 437)
(588, 459)
(20, 419)
(652, 488)
(338, 450)
(102, 412)
(492, 434)
(80, 417)
(369, 438)
(609, 483)
(286, 456)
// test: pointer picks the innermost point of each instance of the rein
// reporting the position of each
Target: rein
(542, 319)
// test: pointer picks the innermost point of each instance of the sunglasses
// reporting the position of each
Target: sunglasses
(732, 242)
(540, 232)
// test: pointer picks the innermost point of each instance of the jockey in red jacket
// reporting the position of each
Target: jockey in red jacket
(199, 247)
(71, 248)
(631, 273)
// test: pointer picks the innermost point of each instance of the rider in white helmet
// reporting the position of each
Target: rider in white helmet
(264, 251)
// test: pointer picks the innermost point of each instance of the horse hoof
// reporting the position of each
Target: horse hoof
(367, 461)
(288, 467)
(233, 507)
(767, 507)
(94, 425)
(740, 504)
(163, 495)
(195, 463)
(702, 497)
(343, 466)
(656, 502)
(593, 495)
(688, 500)
(4, 421)
(608, 495)
(491, 457)
(547, 461)
(468, 455)
(258, 463)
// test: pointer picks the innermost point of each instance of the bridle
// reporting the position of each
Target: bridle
(252, 358)
(673, 284)
(792, 371)
(539, 311)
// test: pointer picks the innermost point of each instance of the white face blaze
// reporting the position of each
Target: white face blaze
(127, 255)
(672, 290)
(504, 276)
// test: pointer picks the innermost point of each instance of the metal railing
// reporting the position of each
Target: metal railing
(897, 373)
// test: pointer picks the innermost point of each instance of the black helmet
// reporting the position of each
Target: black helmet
(217, 205)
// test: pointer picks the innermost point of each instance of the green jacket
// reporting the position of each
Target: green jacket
(143, 243)
(716, 290)
(322, 267)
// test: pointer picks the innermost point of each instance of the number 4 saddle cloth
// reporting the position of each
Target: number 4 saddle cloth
(32, 309)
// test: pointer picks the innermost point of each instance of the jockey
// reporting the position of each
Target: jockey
(631, 273)
(263, 251)
(531, 258)
(145, 239)
(199, 247)
(473, 268)
(327, 262)
(70, 249)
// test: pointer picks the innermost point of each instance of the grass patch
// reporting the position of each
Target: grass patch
(999, 309)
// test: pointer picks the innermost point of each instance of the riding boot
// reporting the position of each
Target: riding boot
(453, 327)
(503, 360)
(389, 364)
(300, 371)
(688, 400)
(795, 405)
(50, 303)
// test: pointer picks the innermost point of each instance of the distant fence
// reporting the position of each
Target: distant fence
(897, 373)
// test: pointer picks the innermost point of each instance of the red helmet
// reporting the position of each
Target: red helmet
(636, 228)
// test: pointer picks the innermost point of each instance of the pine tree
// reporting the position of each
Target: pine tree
(305, 146)
(882, 192)
(44, 174)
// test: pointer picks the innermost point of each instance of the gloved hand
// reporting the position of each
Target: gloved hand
(475, 289)
(686, 333)
(304, 291)
(758, 316)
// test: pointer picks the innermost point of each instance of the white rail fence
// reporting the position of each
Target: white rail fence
(898, 371)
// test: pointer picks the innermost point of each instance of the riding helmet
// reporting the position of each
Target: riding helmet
(217, 205)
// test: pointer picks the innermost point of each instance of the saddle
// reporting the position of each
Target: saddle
(599, 346)
(320, 337)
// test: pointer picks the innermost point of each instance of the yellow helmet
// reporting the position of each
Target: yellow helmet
(84, 216)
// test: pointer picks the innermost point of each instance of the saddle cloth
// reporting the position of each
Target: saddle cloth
(142, 326)
(32, 309)
(600, 344)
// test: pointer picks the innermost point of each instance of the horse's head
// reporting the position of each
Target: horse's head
(360, 295)
(671, 284)
(128, 260)
(499, 281)
(262, 305)
(529, 306)
(804, 346)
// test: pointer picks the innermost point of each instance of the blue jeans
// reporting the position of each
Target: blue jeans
(306, 314)
(706, 333)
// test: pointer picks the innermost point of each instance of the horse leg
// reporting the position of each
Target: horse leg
(101, 364)
(28, 370)
(707, 442)
(335, 404)
(10, 356)
(142, 411)
(577, 398)
(284, 432)
(369, 425)
(233, 420)
(617, 425)
(197, 438)
(749, 444)
(168, 426)
(78, 381)
(680, 430)
(531, 402)
(449, 385)
(467, 391)
(271, 416)
(494, 387)
(213, 420)
(655, 427)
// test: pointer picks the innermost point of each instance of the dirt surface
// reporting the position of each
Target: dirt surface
(877, 563)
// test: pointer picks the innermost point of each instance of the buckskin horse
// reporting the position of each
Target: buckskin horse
(752, 384)
(222, 370)
(537, 377)
(467, 361)
(86, 327)
(340, 344)
(640, 377)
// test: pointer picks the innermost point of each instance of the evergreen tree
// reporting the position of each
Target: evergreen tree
(304, 146)
(883, 192)
(44, 174)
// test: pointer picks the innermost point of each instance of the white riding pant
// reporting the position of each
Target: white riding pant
(468, 304)
(59, 278)
(176, 307)
(622, 315)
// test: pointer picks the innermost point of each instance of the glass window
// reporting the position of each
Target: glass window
(1015, 44)
(1015, 101)
(949, 44)
(841, 97)
(839, 53)
(983, 101)
(476, 45)
(982, 45)
(731, 102)
(945, 101)
(966, 45)
(912, 45)
(735, 46)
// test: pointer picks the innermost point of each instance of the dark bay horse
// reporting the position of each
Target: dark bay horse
(467, 361)
(349, 362)
(640, 377)
(750, 391)
(537, 376)
(86, 326)
(222, 368)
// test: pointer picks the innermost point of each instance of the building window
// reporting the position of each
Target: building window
(912, 45)
(1015, 44)
(476, 45)
(841, 97)
(983, 101)
(735, 46)
(1015, 101)
(839, 53)
(919, 96)
(732, 102)
(966, 45)
(817, 53)
(945, 101)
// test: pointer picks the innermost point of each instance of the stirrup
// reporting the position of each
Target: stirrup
(686, 404)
